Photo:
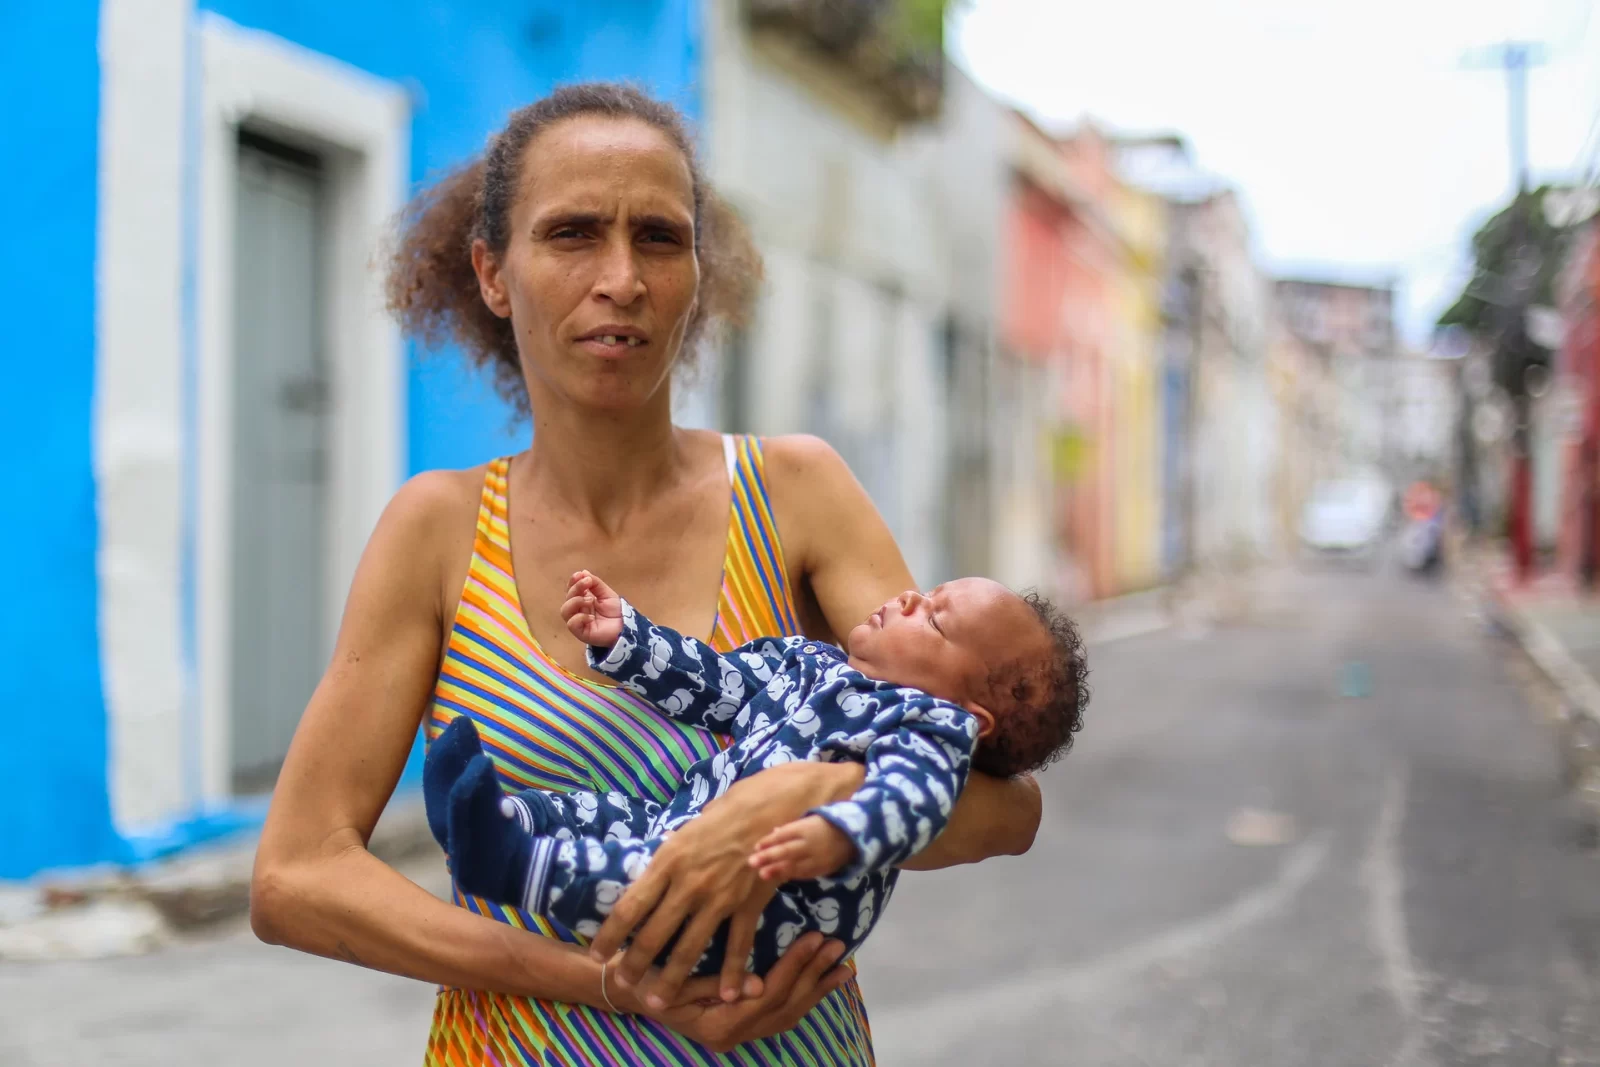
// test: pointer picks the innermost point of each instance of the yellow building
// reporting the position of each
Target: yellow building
(1141, 220)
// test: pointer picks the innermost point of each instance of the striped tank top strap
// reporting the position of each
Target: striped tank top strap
(756, 600)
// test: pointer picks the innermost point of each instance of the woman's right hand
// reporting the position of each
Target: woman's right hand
(702, 876)
(805, 974)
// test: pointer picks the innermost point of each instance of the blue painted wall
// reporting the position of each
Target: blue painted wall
(470, 63)
(53, 752)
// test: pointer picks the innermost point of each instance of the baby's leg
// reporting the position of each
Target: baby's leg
(503, 848)
(614, 816)
(578, 882)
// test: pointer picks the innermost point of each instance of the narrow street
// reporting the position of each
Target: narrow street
(1429, 905)
(1330, 835)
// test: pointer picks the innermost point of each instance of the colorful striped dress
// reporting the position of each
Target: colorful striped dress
(550, 729)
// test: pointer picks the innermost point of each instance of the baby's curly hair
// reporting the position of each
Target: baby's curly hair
(1038, 704)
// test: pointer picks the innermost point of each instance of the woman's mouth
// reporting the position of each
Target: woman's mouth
(611, 345)
(613, 340)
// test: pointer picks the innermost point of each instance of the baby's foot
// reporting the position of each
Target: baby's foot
(488, 849)
(447, 759)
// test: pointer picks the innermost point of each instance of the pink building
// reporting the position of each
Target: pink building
(1059, 307)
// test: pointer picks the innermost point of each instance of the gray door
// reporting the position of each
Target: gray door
(279, 464)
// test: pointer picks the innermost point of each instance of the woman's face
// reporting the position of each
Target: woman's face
(599, 276)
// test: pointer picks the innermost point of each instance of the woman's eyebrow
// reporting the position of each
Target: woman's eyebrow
(579, 219)
(659, 222)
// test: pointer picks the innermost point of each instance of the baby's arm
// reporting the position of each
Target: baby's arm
(684, 677)
(916, 768)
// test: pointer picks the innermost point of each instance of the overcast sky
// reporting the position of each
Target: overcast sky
(1360, 138)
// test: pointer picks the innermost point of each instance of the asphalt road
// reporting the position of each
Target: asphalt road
(1330, 834)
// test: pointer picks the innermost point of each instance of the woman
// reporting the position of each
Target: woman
(578, 262)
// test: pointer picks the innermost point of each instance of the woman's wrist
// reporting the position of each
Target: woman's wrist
(841, 781)
(613, 997)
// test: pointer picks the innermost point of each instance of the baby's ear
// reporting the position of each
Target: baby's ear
(984, 716)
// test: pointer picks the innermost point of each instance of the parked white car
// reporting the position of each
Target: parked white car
(1346, 517)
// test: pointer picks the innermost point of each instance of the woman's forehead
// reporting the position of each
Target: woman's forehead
(595, 158)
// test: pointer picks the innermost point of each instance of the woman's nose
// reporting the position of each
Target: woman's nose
(619, 279)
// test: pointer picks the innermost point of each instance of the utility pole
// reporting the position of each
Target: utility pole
(1516, 57)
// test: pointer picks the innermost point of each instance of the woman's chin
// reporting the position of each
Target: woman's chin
(614, 395)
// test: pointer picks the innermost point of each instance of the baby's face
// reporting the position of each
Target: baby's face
(945, 641)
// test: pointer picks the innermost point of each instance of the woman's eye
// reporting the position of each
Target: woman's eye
(661, 237)
(565, 233)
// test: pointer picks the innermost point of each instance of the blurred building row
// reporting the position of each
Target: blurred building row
(1050, 355)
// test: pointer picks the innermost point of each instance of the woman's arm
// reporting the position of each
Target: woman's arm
(316, 887)
(841, 552)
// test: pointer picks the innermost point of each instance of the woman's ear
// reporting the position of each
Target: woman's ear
(985, 719)
(487, 267)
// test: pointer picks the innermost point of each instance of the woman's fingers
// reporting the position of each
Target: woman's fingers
(827, 957)
(784, 975)
(685, 954)
(699, 991)
(650, 939)
(820, 976)
(636, 904)
(741, 939)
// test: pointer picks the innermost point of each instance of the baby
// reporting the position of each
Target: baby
(967, 676)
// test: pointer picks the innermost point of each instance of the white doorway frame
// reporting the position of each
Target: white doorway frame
(359, 125)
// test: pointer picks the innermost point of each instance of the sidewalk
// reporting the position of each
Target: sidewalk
(1557, 626)
(111, 912)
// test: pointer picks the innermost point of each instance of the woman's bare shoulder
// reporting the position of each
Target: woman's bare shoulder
(830, 526)
(804, 465)
(430, 522)
(440, 493)
(435, 505)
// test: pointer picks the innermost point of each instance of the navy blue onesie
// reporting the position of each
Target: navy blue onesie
(779, 699)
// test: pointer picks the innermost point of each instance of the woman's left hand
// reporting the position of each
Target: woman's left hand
(702, 876)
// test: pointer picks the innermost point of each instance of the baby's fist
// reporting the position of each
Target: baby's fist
(593, 611)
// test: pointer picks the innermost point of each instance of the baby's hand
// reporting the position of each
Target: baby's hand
(593, 611)
(811, 847)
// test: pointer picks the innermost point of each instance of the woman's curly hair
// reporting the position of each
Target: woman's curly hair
(433, 290)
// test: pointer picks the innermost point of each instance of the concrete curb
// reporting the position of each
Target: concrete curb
(1577, 689)
(1195, 603)
(125, 912)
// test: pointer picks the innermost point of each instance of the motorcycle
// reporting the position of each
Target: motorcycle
(1422, 544)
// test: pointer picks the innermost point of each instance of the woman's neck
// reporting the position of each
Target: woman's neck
(603, 466)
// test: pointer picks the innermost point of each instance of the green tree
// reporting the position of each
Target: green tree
(1511, 271)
